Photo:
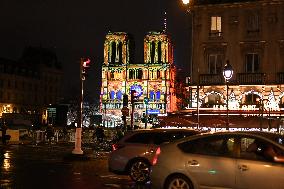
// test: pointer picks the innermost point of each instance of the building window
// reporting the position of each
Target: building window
(159, 52)
(252, 99)
(119, 49)
(152, 52)
(139, 73)
(211, 100)
(131, 74)
(1, 83)
(159, 74)
(252, 62)
(215, 29)
(215, 63)
(111, 75)
(135, 73)
(252, 23)
(113, 52)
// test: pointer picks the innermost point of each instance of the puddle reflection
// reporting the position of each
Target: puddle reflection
(6, 160)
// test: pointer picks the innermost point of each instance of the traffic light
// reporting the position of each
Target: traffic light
(125, 100)
(133, 96)
(85, 64)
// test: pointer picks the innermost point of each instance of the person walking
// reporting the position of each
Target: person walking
(118, 134)
(100, 134)
(65, 133)
(4, 130)
(49, 133)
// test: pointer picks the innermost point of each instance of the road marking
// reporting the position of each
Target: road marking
(111, 176)
(113, 185)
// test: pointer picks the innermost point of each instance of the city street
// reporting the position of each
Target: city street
(50, 166)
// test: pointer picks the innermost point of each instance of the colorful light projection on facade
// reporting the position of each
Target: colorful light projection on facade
(138, 90)
(116, 48)
(158, 48)
(154, 79)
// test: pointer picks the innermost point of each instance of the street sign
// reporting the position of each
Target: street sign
(153, 111)
(125, 111)
(146, 100)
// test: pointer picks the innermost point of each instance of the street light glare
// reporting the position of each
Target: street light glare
(185, 2)
(228, 71)
(228, 74)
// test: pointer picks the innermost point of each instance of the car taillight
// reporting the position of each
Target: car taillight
(116, 146)
(155, 158)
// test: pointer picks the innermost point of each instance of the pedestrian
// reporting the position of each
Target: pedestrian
(119, 134)
(4, 130)
(49, 133)
(65, 133)
(99, 132)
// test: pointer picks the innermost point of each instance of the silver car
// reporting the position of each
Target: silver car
(227, 160)
(133, 154)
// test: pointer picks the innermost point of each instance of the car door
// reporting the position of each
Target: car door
(211, 162)
(254, 170)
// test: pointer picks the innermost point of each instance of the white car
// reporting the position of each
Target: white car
(133, 154)
(227, 160)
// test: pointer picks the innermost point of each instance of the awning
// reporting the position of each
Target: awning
(219, 121)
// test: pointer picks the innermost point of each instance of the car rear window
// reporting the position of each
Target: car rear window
(159, 137)
(143, 138)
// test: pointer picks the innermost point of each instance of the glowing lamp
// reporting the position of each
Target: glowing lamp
(185, 2)
(228, 71)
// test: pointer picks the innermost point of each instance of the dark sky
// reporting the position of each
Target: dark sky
(77, 28)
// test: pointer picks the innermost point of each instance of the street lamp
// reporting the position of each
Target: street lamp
(227, 73)
(84, 65)
(189, 5)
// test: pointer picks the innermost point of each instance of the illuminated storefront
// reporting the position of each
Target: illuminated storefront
(238, 32)
(153, 79)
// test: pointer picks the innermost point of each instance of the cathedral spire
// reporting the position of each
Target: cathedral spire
(165, 22)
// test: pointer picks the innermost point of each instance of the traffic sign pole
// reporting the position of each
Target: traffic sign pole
(146, 101)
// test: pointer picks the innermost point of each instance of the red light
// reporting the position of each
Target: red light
(155, 158)
(86, 63)
(116, 147)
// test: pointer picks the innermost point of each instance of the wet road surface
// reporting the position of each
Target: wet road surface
(46, 166)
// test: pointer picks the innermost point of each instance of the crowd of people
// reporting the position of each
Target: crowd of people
(52, 134)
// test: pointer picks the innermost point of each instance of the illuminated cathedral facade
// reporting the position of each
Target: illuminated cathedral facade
(152, 80)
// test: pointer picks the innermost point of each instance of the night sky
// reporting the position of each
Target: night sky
(77, 28)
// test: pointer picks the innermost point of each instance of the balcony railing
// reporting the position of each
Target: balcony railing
(280, 78)
(211, 79)
(251, 78)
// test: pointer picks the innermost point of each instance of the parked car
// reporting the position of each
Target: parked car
(221, 160)
(133, 154)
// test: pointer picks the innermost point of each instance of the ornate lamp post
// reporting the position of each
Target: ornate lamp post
(227, 73)
(188, 4)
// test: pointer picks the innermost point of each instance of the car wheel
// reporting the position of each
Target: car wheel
(140, 171)
(178, 181)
